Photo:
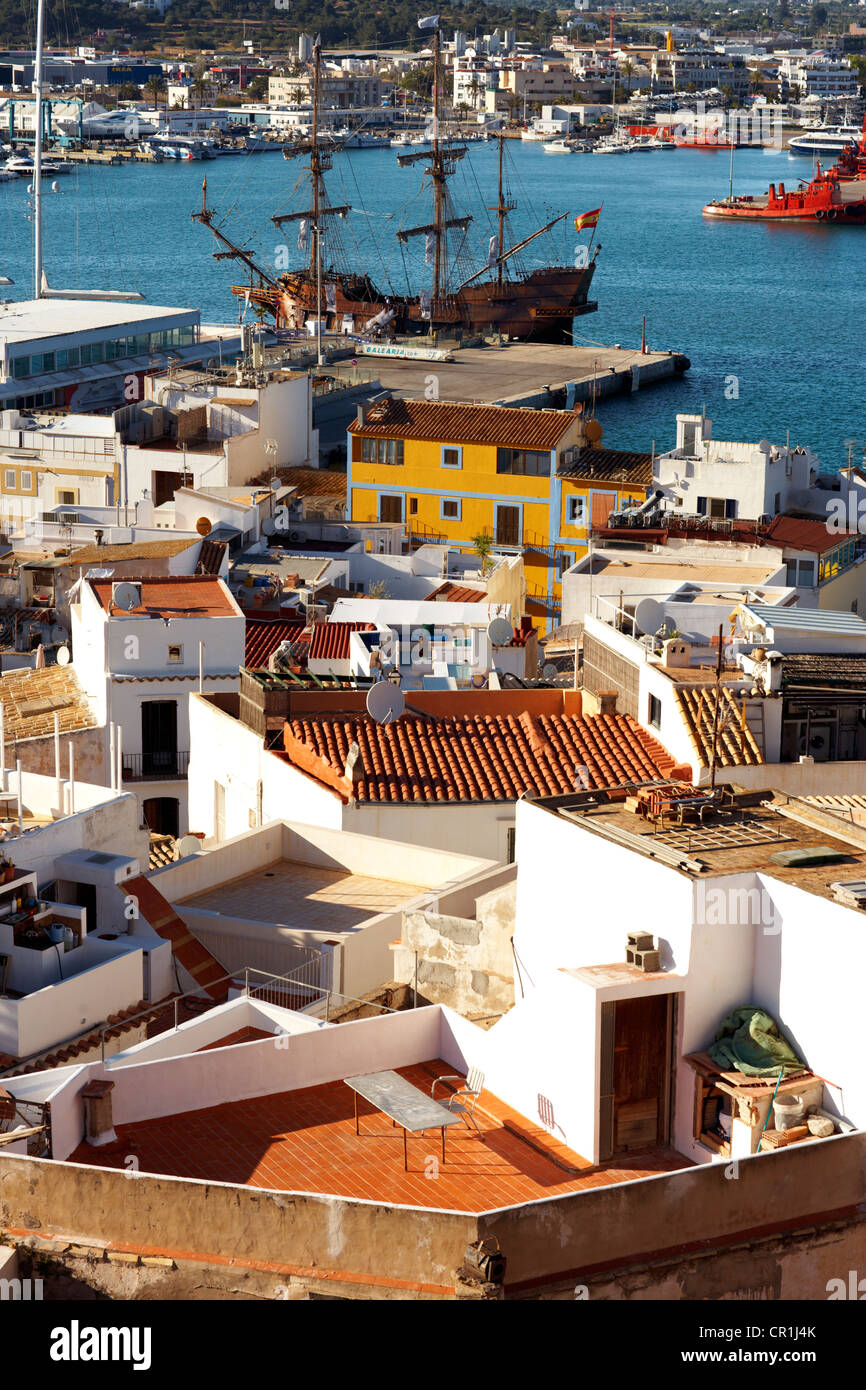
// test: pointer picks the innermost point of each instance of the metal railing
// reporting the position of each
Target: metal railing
(281, 987)
(154, 767)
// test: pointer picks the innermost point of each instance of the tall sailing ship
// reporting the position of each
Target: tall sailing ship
(500, 297)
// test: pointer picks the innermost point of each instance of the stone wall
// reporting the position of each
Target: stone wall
(37, 755)
(464, 962)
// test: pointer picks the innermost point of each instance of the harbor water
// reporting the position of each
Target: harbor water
(769, 315)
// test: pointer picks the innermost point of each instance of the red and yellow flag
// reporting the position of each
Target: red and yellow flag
(587, 219)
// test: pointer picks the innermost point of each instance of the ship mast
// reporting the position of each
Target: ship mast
(501, 209)
(316, 175)
(442, 159)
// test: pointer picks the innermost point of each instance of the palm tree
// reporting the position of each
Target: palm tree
(483, 544)
(154, 85)
(199, 86)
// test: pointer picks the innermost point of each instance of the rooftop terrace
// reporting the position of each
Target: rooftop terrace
(304, 1140)
(318, 898)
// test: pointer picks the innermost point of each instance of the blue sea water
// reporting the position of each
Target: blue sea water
(770, 316)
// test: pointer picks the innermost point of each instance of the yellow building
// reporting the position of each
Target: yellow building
(524, 478)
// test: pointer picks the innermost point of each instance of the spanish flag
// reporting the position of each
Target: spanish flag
(587, 219)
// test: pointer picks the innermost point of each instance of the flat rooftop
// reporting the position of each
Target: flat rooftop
(27, 319)
(746, 842)
(308, 896)
(681, 569)
(305, 1141)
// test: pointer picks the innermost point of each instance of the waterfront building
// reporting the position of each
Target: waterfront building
(817, 75)
(523, 478)
(93, 353)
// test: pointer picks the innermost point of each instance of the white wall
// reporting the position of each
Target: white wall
(66, 1009)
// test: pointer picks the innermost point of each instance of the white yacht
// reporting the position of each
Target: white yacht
(21, 166)
(828, 139)
(557, 147)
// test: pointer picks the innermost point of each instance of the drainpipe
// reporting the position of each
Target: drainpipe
(20, 798)
(71, 778)
(201, 646)
(112, 757)
(2, 748)
(118, 777)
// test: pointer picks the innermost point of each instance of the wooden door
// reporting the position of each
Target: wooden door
(635, 1074)
(603, 504)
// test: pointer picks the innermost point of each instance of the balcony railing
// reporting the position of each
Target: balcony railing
(154, 767)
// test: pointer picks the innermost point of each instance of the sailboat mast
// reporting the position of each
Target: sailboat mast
(37, 153)
(437, 173)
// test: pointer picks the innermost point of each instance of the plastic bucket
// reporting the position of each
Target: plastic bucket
(789, 1111)
(55, 934)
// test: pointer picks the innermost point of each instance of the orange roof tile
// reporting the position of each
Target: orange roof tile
(457, 593)
(174, 596)
(264, 635)
(330, 641)
(518, 427)
(473, 758)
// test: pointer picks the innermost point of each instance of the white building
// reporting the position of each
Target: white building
(721, 479)
(93, 353)
(138, 666)
(818, 75)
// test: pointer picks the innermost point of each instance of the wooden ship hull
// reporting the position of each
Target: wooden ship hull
(540, 306)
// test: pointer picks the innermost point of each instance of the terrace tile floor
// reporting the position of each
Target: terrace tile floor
(305, 896)
(305, 1141)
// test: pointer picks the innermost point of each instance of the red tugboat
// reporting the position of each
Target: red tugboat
(828, 198)
(851, 164)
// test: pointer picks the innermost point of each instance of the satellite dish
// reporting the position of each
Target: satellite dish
(593, 431)
(188, 844)
(385, 702)
(549, 671)
(500, 632)
(649, 615)
(203, 526)
(63, 656)
(765, 446)
(126, 596)
(269, 526)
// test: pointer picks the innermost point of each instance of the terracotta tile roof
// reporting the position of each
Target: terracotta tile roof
(175, 596)
(264, 635)
(517, 427)
(456, 593)
(828, 670)
(31, 698)
(804, 533)
(162, 850)
(313, 482)
(210, 557)
(331, 641)
(734, 745)
(473, 758)
(131, 550)
(195, 958)
(610, 465)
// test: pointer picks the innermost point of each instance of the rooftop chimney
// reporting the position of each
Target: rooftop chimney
(98, 1122)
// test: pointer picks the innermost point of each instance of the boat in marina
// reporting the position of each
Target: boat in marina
(500, 295)
(825, 199)
(826, 140)
(21, 166)
(557, 147)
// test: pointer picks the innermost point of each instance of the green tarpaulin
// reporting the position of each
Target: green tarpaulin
(749, 1041)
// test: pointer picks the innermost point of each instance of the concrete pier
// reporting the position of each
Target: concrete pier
(532, 374)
